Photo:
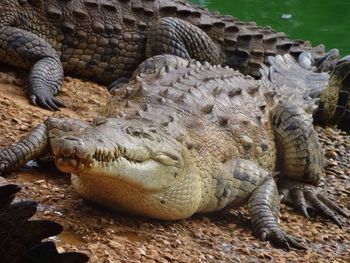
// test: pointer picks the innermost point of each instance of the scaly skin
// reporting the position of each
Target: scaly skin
(21, 238)
(334, 105)
(331, 89)
(106, 40)
(190, 138)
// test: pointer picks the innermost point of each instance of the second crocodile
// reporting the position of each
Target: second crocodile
(106, 40)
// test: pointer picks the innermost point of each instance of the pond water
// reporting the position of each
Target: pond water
(322, 21)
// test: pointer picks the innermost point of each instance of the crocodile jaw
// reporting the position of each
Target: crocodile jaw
(148, 175)
(127, 151)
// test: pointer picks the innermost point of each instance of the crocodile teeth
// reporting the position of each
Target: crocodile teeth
(81, 166)
(73, 163)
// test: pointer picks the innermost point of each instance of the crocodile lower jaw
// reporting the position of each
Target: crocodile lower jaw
(76, 165)
(148, 175)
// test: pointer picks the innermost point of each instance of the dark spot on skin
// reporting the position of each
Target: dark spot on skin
(194, 146)
(264, 146)
(247, 146)
(241, 175)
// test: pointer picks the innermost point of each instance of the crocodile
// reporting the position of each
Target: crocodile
(105, 40)
(183, 138)
(21, 238)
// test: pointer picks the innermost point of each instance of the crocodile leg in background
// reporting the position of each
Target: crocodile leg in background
(180, 38)
(105, 41)
(26, 50)
(301, 162)
(177, 37)
(242, 179)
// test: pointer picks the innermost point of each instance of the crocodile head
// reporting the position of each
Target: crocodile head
(124, 164)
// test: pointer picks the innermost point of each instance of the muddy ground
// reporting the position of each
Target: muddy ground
(110, 237)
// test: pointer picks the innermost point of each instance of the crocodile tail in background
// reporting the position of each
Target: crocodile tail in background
(288, 81)
(325, 95)
(334, 106)
(246, 45)
(21, 238)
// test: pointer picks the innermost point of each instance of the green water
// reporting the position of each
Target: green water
(320, 21)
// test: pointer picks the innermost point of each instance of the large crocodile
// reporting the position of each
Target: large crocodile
(190, 138)
(105, 40)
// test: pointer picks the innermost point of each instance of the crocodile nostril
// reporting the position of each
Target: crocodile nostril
(66, 150)
(71, 138)
(69, 145)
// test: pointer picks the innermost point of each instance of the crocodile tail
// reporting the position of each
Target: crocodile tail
(21, 238)
(246, 45)
(325, 95)
(286, 81)
(334, 107)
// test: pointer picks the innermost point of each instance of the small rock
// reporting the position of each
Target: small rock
(331, 154)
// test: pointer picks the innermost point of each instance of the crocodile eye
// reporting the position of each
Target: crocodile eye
(153, 130)
(140, 133)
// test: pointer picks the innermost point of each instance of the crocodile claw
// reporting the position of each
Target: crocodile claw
(117, 84)
(46, 102)
(328, 61)
(281, 239)
(304, 199)
(3, 163)
(321, 208)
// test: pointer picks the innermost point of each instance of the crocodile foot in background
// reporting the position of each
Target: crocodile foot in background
(117, 84)
(20, 238)
(328, 61)
(304, 198)
(46, 101)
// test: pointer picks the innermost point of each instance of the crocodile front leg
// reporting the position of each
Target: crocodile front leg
(34, 144)
(177, 37)
(242, 181)
(23, 49)
(301, 160)
(37, 142)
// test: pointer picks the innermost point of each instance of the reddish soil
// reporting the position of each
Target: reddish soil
(110, 237)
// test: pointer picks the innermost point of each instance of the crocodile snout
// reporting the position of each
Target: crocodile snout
(69, 147)
(70, 154)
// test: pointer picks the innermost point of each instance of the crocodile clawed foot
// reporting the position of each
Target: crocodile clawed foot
(304, 199)
(342, 68)
(281, 239)
(321, 64)
(117, 84)
(328, 61)
(46, 101)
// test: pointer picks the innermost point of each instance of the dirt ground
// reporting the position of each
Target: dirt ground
(110, 237)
